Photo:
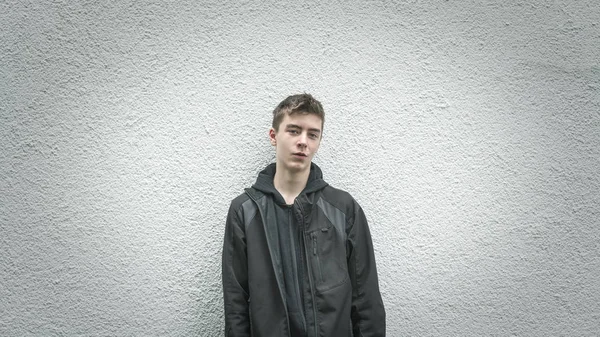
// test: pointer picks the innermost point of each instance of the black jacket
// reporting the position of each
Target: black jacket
(343, 293)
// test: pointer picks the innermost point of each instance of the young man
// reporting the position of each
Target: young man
(297, 255)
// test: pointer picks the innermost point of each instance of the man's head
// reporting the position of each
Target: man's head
(296, 131)
(297, 104)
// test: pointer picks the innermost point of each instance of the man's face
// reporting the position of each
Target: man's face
(297, 141)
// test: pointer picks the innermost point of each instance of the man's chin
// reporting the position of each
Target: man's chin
(296, 167)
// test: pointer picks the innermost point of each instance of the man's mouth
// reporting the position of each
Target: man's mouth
(300, 154)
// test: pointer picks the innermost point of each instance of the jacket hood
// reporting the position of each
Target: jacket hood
(264, 181)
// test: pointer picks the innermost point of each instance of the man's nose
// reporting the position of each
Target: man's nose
(302, 140)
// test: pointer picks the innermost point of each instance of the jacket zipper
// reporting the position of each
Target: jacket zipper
(250, 315)
(299, 264)
(316, 255)
(310, 276)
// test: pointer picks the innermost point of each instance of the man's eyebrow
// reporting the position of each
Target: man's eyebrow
(294, 126)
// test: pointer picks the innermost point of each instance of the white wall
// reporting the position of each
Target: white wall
(468, 131)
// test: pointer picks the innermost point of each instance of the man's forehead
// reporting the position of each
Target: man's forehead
(303, 121)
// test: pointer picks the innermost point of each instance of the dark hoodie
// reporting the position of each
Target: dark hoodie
(290, 242)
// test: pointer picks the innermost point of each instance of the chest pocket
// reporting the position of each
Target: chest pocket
(327, 253)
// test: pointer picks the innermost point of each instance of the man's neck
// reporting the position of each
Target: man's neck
(290, 184)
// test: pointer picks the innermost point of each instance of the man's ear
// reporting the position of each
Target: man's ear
(272, 138)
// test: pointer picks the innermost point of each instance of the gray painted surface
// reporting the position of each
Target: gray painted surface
(468, 131)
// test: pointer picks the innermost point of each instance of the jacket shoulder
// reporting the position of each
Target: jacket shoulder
(340, 199)
(238, 201)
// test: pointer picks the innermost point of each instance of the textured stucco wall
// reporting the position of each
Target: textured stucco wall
(469, 131)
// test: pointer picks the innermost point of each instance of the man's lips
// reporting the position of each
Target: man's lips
(300, 154)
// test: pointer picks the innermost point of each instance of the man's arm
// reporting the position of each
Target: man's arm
(368, 313)
(235, 277)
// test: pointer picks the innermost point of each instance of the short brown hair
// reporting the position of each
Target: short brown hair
(301, 103)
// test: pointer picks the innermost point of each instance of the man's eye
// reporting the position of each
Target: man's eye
(313, 135)
(294, 132)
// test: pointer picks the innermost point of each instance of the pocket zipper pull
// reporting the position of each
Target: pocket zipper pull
(324, 229)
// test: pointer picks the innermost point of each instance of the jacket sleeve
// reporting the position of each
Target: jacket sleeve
(235, 277)
(368, 313)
